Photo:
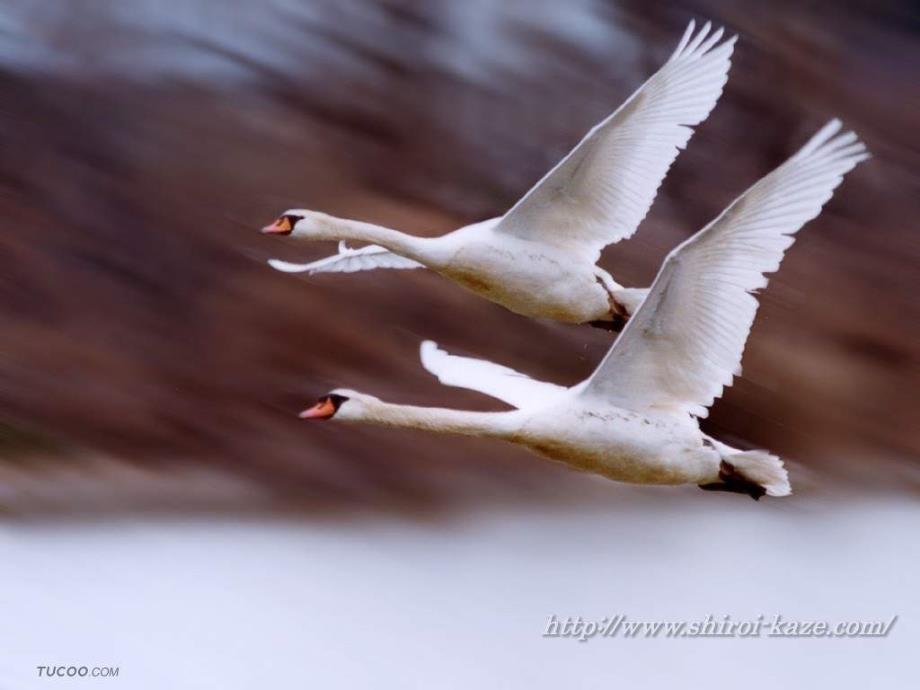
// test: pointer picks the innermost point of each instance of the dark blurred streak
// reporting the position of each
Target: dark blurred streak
(140, 157)
(292, 93)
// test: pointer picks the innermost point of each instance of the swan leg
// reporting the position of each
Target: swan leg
(618, 312)
(614, 326)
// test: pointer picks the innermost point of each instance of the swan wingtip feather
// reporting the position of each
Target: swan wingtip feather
(285, 267)
(427, 349)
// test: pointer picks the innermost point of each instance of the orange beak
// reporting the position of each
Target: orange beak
(324, 409)
(282, 226)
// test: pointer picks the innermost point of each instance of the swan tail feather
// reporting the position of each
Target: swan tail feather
(762, 468)
(754, 472)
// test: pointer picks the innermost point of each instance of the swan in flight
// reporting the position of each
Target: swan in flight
(635, 419)
(539, 259)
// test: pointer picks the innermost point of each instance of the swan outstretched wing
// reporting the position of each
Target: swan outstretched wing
(494, 380)
(349, 261)
(601, 191)
(684, 344)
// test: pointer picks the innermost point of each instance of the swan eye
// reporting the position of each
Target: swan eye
(288, 221)
(336, 400)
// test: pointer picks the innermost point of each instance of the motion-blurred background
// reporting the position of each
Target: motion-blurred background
(152, 365)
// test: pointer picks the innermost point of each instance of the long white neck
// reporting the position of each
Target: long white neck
(440, 420)
(326, 227)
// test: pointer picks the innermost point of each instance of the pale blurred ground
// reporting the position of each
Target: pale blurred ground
(164, 509)
(373, 601)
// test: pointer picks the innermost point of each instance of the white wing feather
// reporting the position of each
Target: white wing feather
(494, 380)
(685, 342)
(349, 261)
(601, 191)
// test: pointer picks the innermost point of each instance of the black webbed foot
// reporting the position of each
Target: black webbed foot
(614, 326)
(732, 481)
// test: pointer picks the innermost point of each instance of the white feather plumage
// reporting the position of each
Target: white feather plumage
(601, 191)
(503, 383)
(685, 343)
(348, 260)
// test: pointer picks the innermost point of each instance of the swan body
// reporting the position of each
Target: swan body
(621, 444)
(539, 259)
(635, 419)
(514, 273)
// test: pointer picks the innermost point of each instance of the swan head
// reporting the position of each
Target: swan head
(342, 404)
(298, 222)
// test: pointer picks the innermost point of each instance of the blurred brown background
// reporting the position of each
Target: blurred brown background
(144, 143)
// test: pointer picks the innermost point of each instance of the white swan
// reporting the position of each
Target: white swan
(635, 418)
(539, 258)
